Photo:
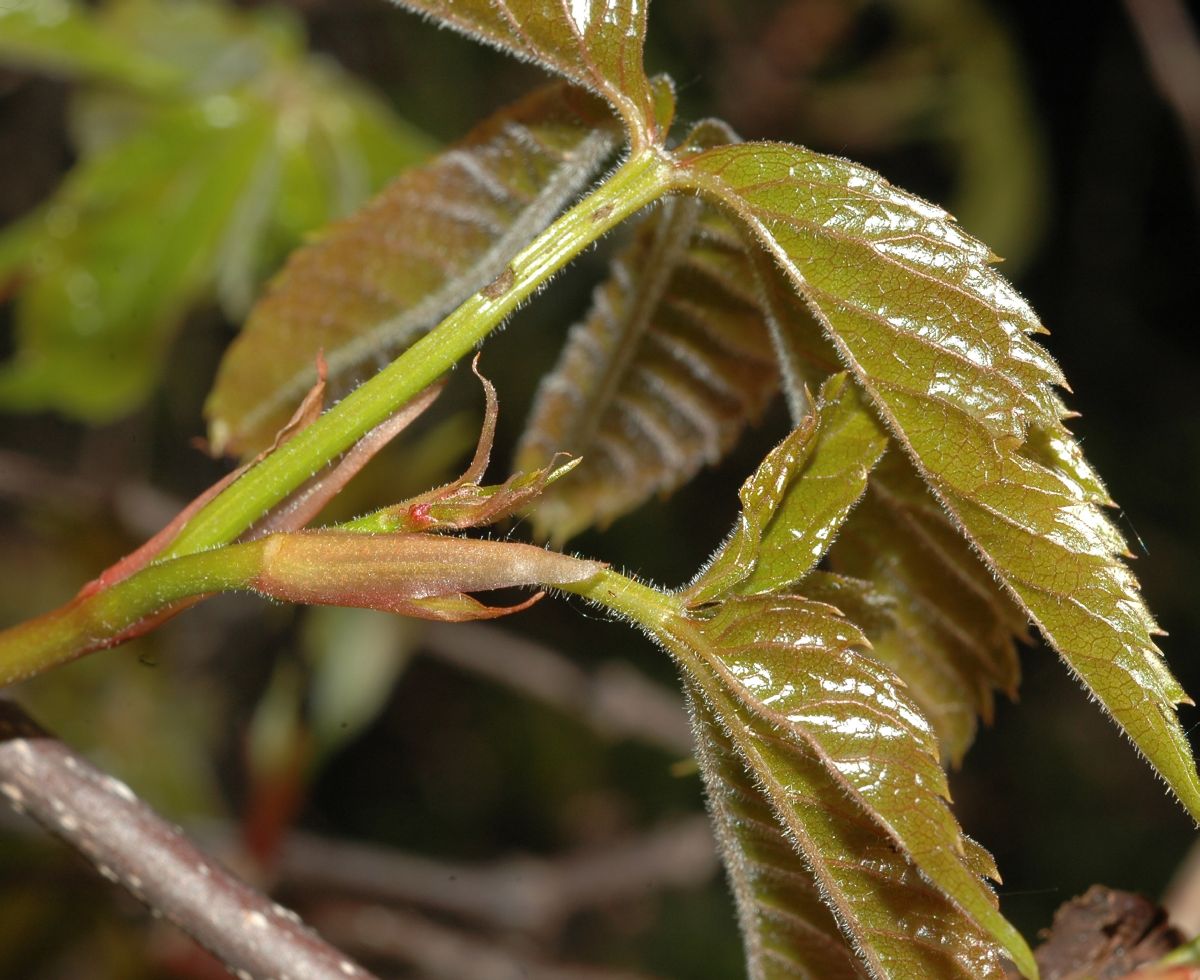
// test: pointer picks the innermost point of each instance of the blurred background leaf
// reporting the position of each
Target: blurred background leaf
(206, 131)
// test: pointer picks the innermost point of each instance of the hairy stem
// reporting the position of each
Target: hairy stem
(111, 616)
(117, 613)
(638, 182)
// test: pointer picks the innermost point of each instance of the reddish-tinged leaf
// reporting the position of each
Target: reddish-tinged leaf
(822, 891)
(368, 286)
(594, 43)
(954, 630)
(944, 347)
(662, 376)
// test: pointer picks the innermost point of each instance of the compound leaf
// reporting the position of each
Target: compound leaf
(828, 731)
(670, 364)
(594, 43)
(944, 347)
(372, 283)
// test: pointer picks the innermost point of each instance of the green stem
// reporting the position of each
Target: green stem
(110, 616)
(647, 607)
(130, 607)
(639, 181)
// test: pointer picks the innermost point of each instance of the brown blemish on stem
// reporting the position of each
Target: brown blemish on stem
(601, 213)
(501, 284)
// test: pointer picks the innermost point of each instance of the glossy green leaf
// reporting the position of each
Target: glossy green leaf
(787, 928)
(662, 376)
(943, 345)
(793, 677)
(371, 284)
(594, 43)
(822, 890)
(954, 629)
(797, 500)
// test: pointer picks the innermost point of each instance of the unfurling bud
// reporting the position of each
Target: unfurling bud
(422, 575)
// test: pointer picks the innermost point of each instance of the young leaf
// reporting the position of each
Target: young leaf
(661, 378)
(953, 629)
(594, 43)
(796, 501)
(371, 284)
(942, 344)
(786, 678)
(794, 682)
(786, 926)
(799, 848)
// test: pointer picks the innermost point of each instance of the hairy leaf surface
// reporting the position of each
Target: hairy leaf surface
(794, 504)
(371, 284)
(813, 715)
(594, 43)
(798, 846)
(943, 345)
(662, 376)
(795, 684)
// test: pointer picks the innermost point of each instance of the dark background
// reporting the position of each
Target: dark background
(1097, 172)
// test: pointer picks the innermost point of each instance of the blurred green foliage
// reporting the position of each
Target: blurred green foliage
(209, 142)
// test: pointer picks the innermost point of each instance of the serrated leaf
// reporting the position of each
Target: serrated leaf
(372, 283)
(796, 846)
(953, 631)
(794, 504)
(662, 376)
(594, 43)
(850, 769)
(943, 345)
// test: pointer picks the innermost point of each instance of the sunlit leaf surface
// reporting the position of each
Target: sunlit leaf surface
(661, 377)
(829, 732)
(943, 345)
(594, 43)
(796, 843)
(372, 283)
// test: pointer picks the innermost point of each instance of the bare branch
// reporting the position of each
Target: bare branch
(442, 952)
(131, 845)
(526, 894)
(615, 700)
